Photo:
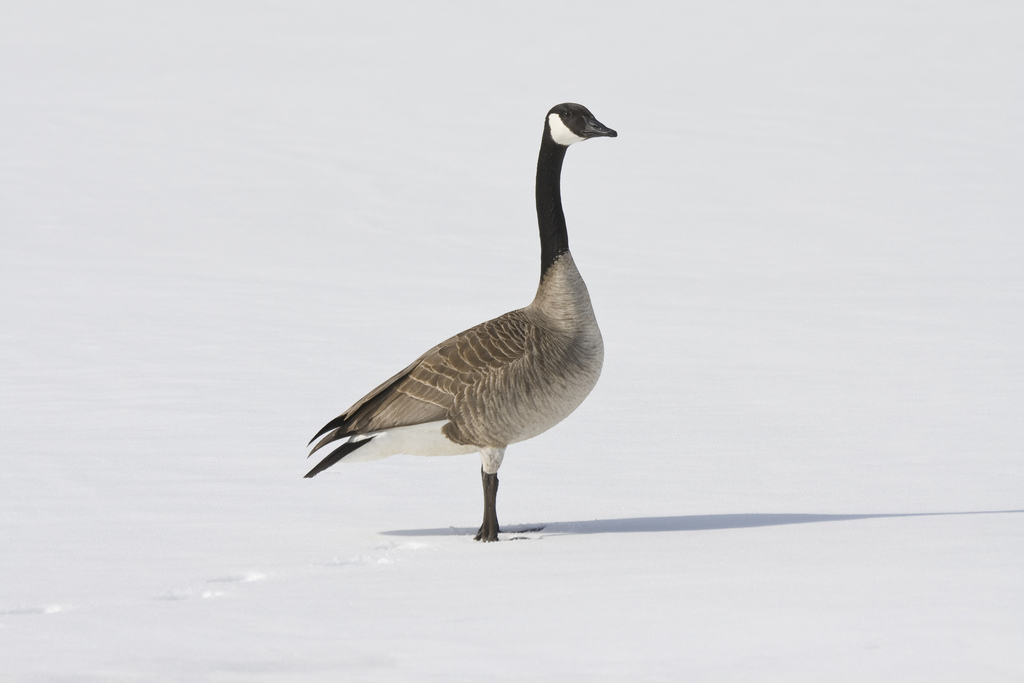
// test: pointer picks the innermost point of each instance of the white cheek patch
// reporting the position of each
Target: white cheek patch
(560, 133)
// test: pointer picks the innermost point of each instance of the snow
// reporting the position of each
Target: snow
(222, 223)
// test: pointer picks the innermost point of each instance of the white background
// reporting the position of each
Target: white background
(223, 223)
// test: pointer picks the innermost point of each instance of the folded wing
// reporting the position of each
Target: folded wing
(430, 388)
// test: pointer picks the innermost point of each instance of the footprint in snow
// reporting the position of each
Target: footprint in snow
(248, 577)
(45, 609)
(186, 593)
(177, 594)
(382, 554)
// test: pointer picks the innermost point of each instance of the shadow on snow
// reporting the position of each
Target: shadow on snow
(680, 523)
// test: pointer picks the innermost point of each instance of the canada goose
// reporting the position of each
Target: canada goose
(505, 380)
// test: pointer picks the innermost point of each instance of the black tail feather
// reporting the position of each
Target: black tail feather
(333, 424)
(337, 454)
(330, 438)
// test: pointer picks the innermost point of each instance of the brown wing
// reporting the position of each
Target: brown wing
(426, 390)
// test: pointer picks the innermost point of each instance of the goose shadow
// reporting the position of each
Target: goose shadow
(682, 523)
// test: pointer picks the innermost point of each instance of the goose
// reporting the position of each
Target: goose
(505, 380)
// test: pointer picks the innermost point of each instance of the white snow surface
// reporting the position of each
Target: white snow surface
(222, 223)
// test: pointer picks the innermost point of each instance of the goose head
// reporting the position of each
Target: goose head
(568, 123)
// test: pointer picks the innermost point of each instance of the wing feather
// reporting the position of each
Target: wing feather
(429, 388)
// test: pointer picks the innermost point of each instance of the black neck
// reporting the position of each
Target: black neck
(554, 241)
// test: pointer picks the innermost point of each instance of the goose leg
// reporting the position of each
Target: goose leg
(490, 459)
(489, 529)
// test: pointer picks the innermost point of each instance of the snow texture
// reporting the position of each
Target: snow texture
(224, 222)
